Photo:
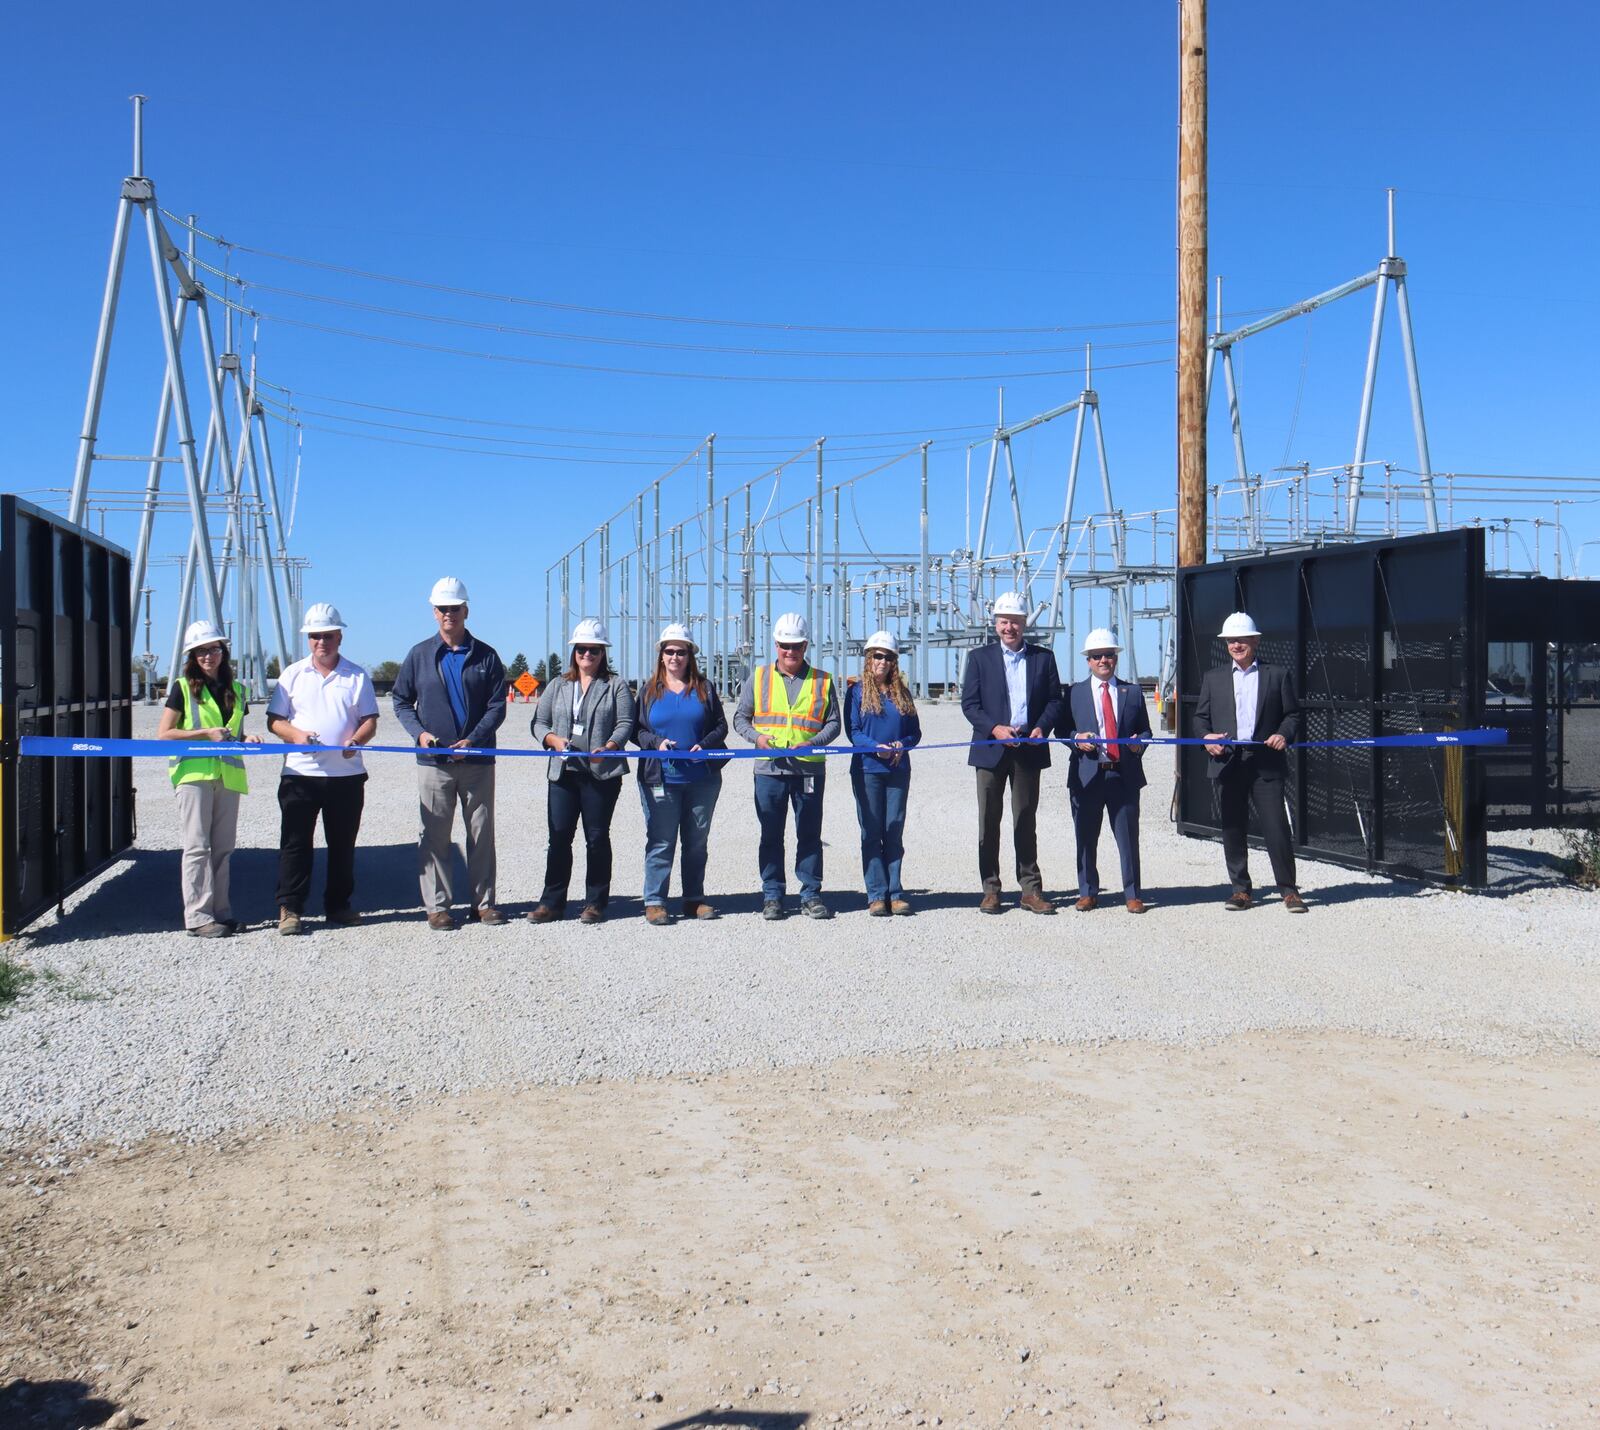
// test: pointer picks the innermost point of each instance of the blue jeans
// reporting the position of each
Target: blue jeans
(774, 795)
(670, 812)
(881, 809)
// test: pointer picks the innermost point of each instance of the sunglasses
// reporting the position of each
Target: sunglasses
(322, 635)
(792, 645)
(449, 610)
(880, 655)
(1102, 655)
(675, 653)
(587, 649)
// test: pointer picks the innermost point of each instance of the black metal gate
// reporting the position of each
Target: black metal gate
(1542, 682)
(64, 670)
(1382, 638)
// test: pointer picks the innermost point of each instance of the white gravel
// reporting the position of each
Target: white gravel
(136, 1029)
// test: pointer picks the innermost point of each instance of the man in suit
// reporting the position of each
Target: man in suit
(1246, 701)
(1104, 777)
(1011, 691)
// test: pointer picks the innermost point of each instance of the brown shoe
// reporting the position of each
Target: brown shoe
(289, 923)
(592, 914)
(1135, 906)
(488, 914)
(1237, 903)
(440, 919)
(990, 904)
(542, 915)
(698, 909)
(653, 914)
(879, 908)
(1293, 902)
(1037, 904)
(899, 906)
(1087, 902)
(345, 918)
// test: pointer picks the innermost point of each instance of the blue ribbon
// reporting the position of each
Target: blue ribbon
(83, 747)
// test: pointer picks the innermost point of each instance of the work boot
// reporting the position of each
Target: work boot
(814, 908)
(344, 918)
(289, 923)
(210, 930)
(879, 908)
(772, 910)
(899, 906)
(698, 909)
(655, 914)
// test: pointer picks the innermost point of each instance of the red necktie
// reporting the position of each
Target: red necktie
(1112, 751)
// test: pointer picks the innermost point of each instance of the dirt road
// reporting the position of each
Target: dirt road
(1280, 1228)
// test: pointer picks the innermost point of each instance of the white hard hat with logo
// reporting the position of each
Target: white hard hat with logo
(1238, 626)
(790, 627)
(1010, 603)
(448, 591)
(882, 640)
(677, 633)
(1100, 639)
(321, 617)
(202, 633)
(589, 631)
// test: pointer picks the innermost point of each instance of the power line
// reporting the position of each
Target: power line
(644, 316)
(522, 360)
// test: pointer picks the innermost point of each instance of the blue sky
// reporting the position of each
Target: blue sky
(883, 166)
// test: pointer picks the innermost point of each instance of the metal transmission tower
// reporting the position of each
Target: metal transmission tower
(241, 545)
(1391, 272)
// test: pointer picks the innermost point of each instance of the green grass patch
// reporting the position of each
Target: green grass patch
(13, 979)
(1583, 856)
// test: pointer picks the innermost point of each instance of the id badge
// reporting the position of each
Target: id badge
(809, 784)
(577, 727)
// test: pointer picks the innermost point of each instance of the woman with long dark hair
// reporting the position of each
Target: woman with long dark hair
(207, 703)
(881, 719)
(584, 714)
(679, 709)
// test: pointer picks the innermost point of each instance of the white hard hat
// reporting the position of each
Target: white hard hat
(589, 631)
(882, 640)
(1010, 603)
(677, 632)
(321, 617)
(790, 627)
(202, 633)
(1236, 626)
(1100, 639)
(448, 591)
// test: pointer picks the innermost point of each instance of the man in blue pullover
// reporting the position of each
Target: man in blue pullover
(451, 693)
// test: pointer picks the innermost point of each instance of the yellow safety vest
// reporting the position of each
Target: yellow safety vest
(784, 725)
(227, 768)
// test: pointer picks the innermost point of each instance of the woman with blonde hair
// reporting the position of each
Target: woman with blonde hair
(679, 709)
(205, 702)
(880, 718)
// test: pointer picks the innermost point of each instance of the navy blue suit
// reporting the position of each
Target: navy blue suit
(986, 702)
(1096, 789)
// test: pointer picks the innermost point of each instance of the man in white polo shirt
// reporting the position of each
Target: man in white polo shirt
(322, 700)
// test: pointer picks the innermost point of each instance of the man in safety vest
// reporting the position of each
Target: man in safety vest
(783, 706)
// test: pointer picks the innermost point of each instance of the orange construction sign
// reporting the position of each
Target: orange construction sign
(526, 683)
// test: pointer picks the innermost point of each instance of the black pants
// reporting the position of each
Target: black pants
(579, 795)
(338, 799)
(1236, 792)
(1023, 777)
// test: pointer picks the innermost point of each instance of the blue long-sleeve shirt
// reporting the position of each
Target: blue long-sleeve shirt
(885, 728)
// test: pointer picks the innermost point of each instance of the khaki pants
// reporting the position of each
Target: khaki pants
(441, 787)
(208, 816)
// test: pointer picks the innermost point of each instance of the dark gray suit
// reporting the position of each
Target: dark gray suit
(1251, 775)
(1097, 788)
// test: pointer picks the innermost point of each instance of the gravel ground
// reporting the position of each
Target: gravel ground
(135, 1029)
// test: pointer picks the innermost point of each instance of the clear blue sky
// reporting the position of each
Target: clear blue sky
(880, 166)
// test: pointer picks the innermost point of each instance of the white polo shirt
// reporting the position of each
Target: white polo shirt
(333, 705)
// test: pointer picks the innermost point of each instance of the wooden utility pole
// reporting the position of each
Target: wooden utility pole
(1191, 282)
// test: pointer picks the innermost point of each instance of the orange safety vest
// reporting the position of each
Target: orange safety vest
(785, 725)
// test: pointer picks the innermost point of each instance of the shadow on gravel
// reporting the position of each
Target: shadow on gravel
(141, 895)
(754, 1419)
(52, 1405)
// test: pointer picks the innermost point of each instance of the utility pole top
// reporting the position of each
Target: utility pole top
(138, 134)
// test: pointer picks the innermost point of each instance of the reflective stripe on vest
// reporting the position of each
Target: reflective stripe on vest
(227, 768)
(785, 725)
